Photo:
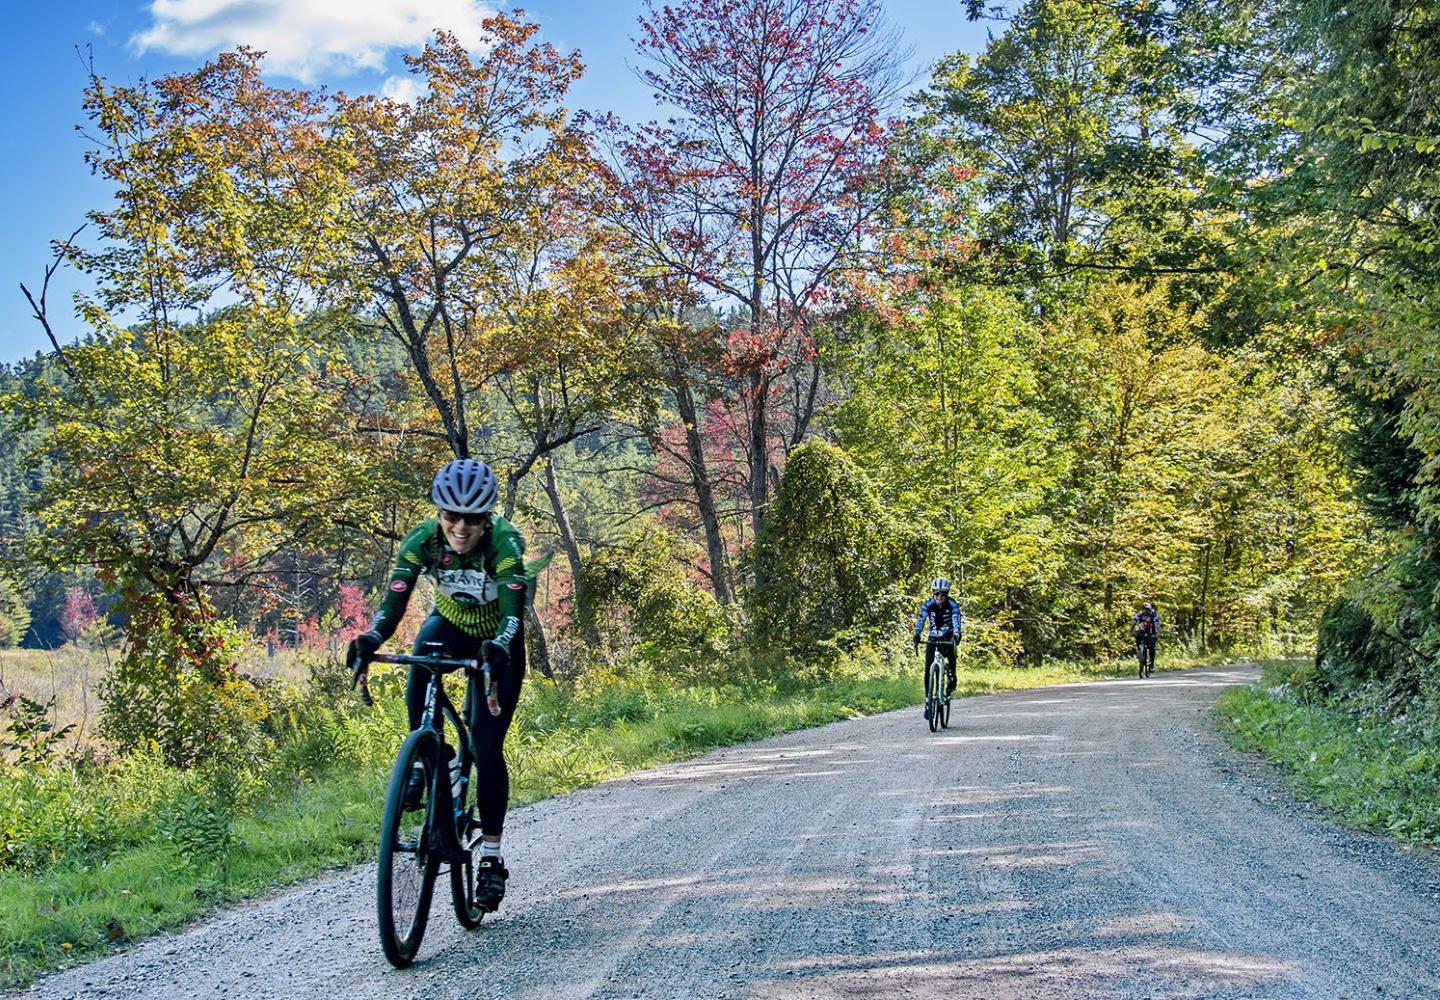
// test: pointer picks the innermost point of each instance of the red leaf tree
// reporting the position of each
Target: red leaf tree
(759, 191)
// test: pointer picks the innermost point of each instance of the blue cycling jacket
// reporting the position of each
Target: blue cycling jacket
(1147, 623)
(945, 619)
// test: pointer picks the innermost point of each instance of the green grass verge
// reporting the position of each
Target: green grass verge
(1371, 772)
(78, 910)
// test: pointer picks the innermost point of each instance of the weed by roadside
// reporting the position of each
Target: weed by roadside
(1372, 770)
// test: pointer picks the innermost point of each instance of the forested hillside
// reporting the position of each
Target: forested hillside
(1134, 305)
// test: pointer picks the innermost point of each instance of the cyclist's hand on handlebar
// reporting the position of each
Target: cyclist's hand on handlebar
(496, 656)
(917, 644)
(358, 653)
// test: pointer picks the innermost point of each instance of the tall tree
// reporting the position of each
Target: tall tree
(197, 432)
(757, 189)
(1077, 123)
(444, 187)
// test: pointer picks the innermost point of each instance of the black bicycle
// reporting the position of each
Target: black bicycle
(1145, 652)
(421, 832)
(937, 701)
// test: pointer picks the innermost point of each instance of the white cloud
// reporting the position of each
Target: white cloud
(402, 88)
(96, 28)
(308, 38)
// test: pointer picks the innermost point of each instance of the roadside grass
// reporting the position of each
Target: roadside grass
(1371, 771)
(323, 811)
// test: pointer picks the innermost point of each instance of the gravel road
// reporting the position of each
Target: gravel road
(1094, 840)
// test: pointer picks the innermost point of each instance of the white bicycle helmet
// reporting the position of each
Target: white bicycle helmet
(940, 585)
(465, 486)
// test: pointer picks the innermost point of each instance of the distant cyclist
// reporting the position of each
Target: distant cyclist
(1146, 630)
(476, 560)
(944, 619)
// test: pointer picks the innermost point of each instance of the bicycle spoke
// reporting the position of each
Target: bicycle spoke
(407, 876)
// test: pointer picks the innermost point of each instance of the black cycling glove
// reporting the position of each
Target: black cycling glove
(496, 656)
(358, 653)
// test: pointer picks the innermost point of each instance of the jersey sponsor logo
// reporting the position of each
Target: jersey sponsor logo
(512, 625)
(447, 559)
(466, 586)
(516, 586)
(399, 586)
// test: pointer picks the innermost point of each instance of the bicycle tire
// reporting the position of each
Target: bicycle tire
(462, 876)
(945, 712)
(932, 695)
(405, 861)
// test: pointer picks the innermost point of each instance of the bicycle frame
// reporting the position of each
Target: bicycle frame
(937, 704)
(443, 840)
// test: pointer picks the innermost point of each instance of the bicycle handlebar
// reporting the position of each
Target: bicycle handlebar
(440, 665)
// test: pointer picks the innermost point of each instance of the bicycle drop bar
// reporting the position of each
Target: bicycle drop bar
(439, 664)
(445, 665)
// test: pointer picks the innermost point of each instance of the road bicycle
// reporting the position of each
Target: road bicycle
(1145, 653)
(437, 827)
(937, 701)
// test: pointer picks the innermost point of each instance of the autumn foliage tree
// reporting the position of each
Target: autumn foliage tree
(443, 192)
(184, 429)
(756, 189)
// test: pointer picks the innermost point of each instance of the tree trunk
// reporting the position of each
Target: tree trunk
(759, 453)
(1205, 601)
(562, 520)
(539, 643)
(572, 548)
(704, 496)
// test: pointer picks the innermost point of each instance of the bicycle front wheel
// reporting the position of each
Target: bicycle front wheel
(944, 707)
(407, 865)
(933, 682)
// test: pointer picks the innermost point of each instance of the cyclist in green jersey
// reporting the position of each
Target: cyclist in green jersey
(476, 559)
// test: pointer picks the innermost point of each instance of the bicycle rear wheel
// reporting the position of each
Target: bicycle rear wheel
(406, 867)
(467, 834)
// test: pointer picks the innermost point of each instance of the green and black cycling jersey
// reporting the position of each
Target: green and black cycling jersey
(482, 592)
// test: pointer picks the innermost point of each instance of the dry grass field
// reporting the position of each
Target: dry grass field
(71, 676)
(68, 676)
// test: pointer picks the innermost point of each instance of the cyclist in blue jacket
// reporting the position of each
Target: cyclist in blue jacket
(1146, 630)
(944, 618)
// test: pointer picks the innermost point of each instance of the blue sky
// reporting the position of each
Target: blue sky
(354, 45)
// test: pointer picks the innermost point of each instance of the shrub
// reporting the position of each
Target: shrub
(833, 568)
(640, 602)
(177, 687)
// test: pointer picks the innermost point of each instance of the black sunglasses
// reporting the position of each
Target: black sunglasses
(474, 520)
